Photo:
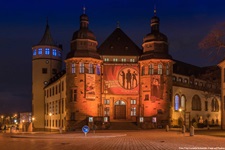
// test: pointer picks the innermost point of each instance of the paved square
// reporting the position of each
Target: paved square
(110, 140)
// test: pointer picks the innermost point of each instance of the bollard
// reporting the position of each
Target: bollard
(183, 129)
(60, 130)
(167, 128)
(192, 130)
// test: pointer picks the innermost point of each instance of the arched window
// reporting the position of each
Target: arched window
(196, 103)
(167, 69)
(179, 79)
(215, 105)
(90, 68)
(183, 102)
(73, 69)
(159, 68)
(176, 102)
(151, 69)
(81, 67)
(174, 78)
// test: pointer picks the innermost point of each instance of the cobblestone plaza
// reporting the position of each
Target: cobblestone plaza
(111, 140)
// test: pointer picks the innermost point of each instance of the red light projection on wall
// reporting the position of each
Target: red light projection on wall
(120, 79)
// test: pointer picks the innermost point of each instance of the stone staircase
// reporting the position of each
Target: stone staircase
(123, 126)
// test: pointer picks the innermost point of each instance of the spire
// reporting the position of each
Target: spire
(47, 38)
(118, 24)
(84, 19)
(155, 9)
(84, 9)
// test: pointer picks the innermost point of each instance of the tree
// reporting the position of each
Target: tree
(214, 42)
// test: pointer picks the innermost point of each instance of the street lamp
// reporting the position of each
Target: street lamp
(2, 118)
(33, 123)
(50, 114)
(180, 110)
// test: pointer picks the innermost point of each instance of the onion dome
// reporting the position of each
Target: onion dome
(155, 44)
(83, 43)
(84, 32)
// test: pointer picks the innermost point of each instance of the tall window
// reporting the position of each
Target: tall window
(90, 69)
(34, 52)
(133, 111)
(106, 101)
(106, 111)
(176, 102)
(223, 74)
(73, 95)
(123, 60)
(151, 69)
(62, 85)
(143, 70)
(59, 53)
(183, 101)
(159, 68)
(44, 70)
(62, 105)
(196, 103)
(215, 105)
(39, 51)
(132, 60)
(54, 52)
(81, 67)
(47, 51)
(98, 69)
(167, 69)
(106, 59)
(224, 103)
(115, 59)
(133, 101)
(206, 105)
(73, 69)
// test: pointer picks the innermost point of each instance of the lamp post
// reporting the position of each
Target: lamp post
(50, 114)
(2, 119)
(33, 123)
(180, 110)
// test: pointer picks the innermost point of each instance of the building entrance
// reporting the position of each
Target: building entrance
(120, 110)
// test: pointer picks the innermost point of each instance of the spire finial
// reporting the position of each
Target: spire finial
(84, 9)
(155, 9)
(47, 21)
(118, 24)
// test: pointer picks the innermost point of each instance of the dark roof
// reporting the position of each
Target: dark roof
(118, 43)
(83, 53)
(205, 73)
(186, 69)
(47, 38)
(56, 77)
(154, 54)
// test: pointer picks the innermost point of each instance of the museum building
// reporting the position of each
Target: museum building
(120, 82)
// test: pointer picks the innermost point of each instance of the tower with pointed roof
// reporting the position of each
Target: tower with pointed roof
(83, 75)
(156, 68)
(46, 62)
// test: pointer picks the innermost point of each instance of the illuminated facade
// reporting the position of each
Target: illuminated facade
(118, 81)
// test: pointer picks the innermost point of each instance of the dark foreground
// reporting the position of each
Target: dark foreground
(113, 140)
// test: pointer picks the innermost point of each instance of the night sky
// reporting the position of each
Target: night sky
(22, 25)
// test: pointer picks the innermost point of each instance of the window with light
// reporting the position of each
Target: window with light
(73, 69)
(47, 51)
(40, 51)
(54, 52)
